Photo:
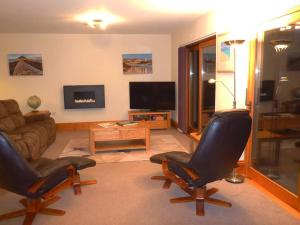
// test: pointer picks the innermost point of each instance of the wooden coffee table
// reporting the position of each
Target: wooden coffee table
(113, 138)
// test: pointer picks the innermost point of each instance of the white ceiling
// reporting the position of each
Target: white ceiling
(139, 16)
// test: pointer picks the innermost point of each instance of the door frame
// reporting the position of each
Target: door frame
(254, 76)
(211, 41)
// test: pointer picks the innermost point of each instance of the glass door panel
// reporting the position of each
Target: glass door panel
(193, 89)
(208, 71)
(276, 143)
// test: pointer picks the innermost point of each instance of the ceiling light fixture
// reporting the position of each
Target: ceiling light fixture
(280, 45)
(97, 23)
(98, 19)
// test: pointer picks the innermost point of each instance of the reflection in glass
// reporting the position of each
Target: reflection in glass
(194, 89)
(276, 151)
(208, 90)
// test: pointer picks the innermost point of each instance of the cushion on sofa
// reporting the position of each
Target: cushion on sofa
(49, 125)
(21, 146)
(14, 112)
(35, 136)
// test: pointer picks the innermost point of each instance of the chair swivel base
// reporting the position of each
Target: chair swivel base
(201, 195)
(32, 208)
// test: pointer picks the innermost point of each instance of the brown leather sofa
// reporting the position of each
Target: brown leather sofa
(31, 134)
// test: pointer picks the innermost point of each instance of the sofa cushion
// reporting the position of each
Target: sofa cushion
(3, 111)
(39, 131)
(14, 113)
(7, 124)
(21, 146)
(49, 125)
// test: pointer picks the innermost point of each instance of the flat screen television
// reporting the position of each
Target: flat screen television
(267, 90)
(152, 95)
(208, 95)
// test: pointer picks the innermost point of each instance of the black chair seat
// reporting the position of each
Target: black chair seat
(79, 162)
(158, 158)
(46, 167)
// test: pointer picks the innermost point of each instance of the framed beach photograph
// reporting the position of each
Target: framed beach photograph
(25, 64)
(224, 55)
(137, 63)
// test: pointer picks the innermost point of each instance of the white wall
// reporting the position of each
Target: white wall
(224, 99)
(192, 32)
(79, 59)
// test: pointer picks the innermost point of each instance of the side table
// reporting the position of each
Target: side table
(37, 113)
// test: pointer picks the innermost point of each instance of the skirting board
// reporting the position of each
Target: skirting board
(76, 126)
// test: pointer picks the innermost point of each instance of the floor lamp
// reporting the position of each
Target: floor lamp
(234, 177)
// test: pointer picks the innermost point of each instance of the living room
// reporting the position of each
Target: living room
(74, 53)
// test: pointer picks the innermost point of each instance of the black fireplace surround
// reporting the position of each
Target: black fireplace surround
(84, 96)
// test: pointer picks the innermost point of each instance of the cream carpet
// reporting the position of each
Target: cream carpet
(125, 195)
(158, 144)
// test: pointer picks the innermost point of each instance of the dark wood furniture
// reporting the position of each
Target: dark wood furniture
(276, 128)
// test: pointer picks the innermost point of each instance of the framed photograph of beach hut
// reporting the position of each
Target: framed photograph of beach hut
(25, 64)
(137, 63)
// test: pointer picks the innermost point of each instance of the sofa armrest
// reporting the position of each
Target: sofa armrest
(36, 116)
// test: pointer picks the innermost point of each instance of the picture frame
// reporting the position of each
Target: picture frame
(25, 64)
(225, 60)
(137, 63)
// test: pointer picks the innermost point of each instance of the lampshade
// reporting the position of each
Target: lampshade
(280, 45)
(211, 81)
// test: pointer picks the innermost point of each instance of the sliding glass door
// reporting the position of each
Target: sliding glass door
(275, 155)
(201, 94)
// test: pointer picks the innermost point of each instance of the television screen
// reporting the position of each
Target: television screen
(267, 90)
(152, 95)
(208, 95)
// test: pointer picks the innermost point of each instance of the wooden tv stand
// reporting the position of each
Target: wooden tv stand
(155, 120)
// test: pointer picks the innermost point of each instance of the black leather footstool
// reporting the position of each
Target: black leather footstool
(79, 163)
(159, 158)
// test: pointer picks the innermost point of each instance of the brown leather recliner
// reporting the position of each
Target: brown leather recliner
(32, 135)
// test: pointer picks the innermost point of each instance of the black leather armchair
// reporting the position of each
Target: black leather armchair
(220, 147)
(39, 180)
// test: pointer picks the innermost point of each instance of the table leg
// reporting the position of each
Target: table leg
(147, 139)
(92, 142)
